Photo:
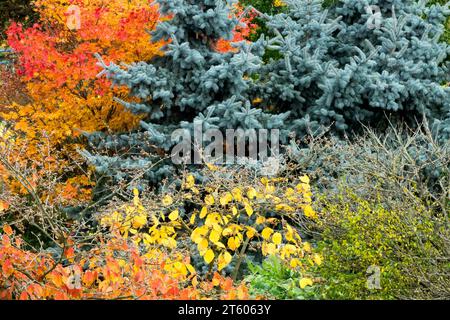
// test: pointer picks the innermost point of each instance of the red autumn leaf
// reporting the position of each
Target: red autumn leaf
(69, 253)
(7, 229)
(4, 206)
(89, 277)
(7, 268)
(6, 242)
(23, 296)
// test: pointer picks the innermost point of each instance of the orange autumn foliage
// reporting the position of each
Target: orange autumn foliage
(114, 269)
(57, 64)
(242, 31)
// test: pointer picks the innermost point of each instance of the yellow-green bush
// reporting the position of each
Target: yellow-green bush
(223, 219)
(408, 242)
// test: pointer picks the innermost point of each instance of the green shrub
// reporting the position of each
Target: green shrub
(408, 242)
(384, 201)
(275, 280)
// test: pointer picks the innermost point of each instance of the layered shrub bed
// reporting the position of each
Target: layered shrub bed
(338, 185)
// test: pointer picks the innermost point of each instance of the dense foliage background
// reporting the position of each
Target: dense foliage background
(92, 205)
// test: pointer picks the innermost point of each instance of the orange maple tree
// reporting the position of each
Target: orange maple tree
(57, 63)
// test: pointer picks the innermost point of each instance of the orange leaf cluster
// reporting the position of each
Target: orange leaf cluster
(242, 31)
(57, 64)
(114, 269)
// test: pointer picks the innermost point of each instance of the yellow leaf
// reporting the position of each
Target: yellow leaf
(167, 200)
(214, 236)
(304, 282)
(195, 190)
(270, 188)
(190, 181)
(190, 268)
(187, 196)
(226, 198)
(304, 179)
(218, 228)
(136, 192)
(169, 242)
(317, 258)
(250, 232)
(309, 212)
(284, 207)
(155, 220)
(203, 245)
(231, 243)
(219, 245)
(276, 238)
(237, 242)
(198, 233)
(266, 233)
(227, 257)
(294, 263)
(180, 267)
(268, 248)
(212, 167)
(251, 193)
(203, 212)
(237, 194)
(227, 231)
(192, 219)
(221, 264)
(289, 235)
(209, 256)
(174, 215)
(289, 192)
(260, 220)
(234, 211)
(258, 100)
(248, 209)
(139, 221)
(307, 247)
(209, 200)
(194, 282)
(223, 260)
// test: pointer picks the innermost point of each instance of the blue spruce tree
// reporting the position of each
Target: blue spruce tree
(357, 63)
(191, 82)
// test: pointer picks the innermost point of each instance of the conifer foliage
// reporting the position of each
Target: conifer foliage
(344, 67)
(193, 81)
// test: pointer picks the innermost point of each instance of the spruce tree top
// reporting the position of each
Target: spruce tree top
(339, 70)
(191, 81)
